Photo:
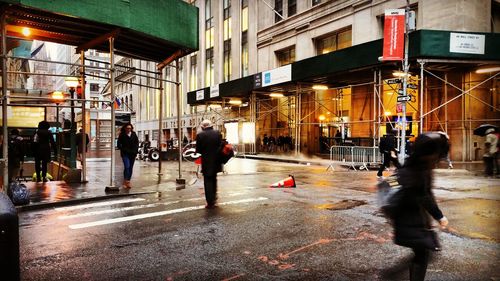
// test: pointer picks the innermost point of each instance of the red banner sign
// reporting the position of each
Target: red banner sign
(394, 34)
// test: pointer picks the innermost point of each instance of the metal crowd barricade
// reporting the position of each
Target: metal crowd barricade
(355, 157)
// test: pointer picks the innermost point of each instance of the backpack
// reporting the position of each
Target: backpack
(390, 196)
(226, 152)
(18, 193)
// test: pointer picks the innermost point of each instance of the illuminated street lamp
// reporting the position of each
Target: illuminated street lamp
(57, 97)
(72, 83)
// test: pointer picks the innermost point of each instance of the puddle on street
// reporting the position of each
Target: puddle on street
(341, 205)
(473, 218)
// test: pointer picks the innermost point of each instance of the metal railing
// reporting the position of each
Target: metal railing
(355, 157)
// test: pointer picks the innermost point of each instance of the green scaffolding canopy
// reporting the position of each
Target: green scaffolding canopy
(145, 29)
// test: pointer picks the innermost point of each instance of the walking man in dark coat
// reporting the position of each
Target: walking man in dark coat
(43, 144)
(16, 154)
(79, 143)
(387, 147)
(208, 144)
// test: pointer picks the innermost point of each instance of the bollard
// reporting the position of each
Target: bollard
(9, 240)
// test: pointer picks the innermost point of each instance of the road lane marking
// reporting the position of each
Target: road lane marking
(156, 214)
(117, 210)
(100, 204)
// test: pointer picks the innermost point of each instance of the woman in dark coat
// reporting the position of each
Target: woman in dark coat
(412, 224)
(43, 145)
(128, 143)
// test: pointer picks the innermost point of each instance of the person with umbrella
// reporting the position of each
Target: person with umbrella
(491, 153)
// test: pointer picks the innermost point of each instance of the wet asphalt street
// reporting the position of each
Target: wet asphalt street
(327, 228)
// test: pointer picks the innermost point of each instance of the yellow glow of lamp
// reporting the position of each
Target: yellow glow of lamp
(321, 117)
(71, 82)
(387, 113)
(320, 87)
(276, 95)
(26, 31)
(57, 96)
(235, 102)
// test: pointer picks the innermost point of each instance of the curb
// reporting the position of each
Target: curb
(46, 205)
(303, 162)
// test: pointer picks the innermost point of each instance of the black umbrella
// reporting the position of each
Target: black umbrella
(481, 130)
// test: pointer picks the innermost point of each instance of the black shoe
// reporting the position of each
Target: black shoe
(38, 179)
(45, 180)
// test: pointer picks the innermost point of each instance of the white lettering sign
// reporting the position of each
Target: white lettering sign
(214, 91)
(467, 43)
(200, 95)
(277, 75)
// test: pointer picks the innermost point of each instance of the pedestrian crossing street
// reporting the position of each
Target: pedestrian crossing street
(92, 215)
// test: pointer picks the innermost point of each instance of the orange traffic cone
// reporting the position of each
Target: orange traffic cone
(288, 182)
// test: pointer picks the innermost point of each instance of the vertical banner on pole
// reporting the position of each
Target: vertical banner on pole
(394, 31)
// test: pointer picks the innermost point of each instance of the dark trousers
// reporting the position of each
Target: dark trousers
(41, 166)
(418, 266)
(128, 166)
(210, 183)
(387, 162)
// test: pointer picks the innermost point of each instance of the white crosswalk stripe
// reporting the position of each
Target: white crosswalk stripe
(130, 208)
(99, 204)
(156, 214)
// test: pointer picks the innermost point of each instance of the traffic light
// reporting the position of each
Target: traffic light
(79, 92)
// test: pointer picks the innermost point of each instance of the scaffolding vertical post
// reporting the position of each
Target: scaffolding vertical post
(421, 96)
(160, 119)
(253, 119)
(374, 105)
(380, 92)
(5, 143)
(84, 119)
(179, 180)
(111, 185)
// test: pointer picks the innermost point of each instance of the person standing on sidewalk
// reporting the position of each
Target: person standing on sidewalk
(491, 153)
(208, 144)
(412, 223)
(43, 144)
(79, 143)
(128, 143)
(16, 154)
(387, 147)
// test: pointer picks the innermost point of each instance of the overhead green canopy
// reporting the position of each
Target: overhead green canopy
(147, 29)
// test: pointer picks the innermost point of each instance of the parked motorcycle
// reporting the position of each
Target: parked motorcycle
(146, 152)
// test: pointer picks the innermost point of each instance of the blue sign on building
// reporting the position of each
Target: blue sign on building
(267, 78)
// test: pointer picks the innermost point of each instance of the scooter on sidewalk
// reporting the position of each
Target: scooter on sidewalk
(147, 152)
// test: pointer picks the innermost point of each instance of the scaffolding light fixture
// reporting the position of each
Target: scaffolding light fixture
(276, 95)
(320, 87)
(26, 31)
(235, 102)
(488, 69)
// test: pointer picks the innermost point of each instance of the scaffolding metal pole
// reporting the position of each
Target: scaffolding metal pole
(180, 181)
(5, 143)
(160, 122)
(374, 105)
(421, 127)
(84, 120)
(112, 186)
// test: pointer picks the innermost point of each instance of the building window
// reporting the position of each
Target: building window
(192, 74)
(244, 54)
(208, 14)
(131, 105)
(278, 7)
(209, 67)
(292, 7)
(209, 27)
(244, 15)
(94, 87)
(316, 2)
(334, 41)
(286, 56)
(227, 60)
(227, 20)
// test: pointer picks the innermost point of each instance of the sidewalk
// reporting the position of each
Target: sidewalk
(145, 179)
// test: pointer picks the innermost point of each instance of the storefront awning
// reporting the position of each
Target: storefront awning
(424, 44)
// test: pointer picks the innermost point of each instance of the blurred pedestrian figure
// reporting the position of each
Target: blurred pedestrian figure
(185, 141)
(16, 154)
(80, 136)
(43, 145)
(128, 143)
(387, 147)
(447, 157)
(208, 144)
(338, 137)
(272, 143)
(265, 142)
(491, 153)
(412, 224)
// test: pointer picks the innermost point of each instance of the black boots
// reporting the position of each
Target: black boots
(417, 272)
